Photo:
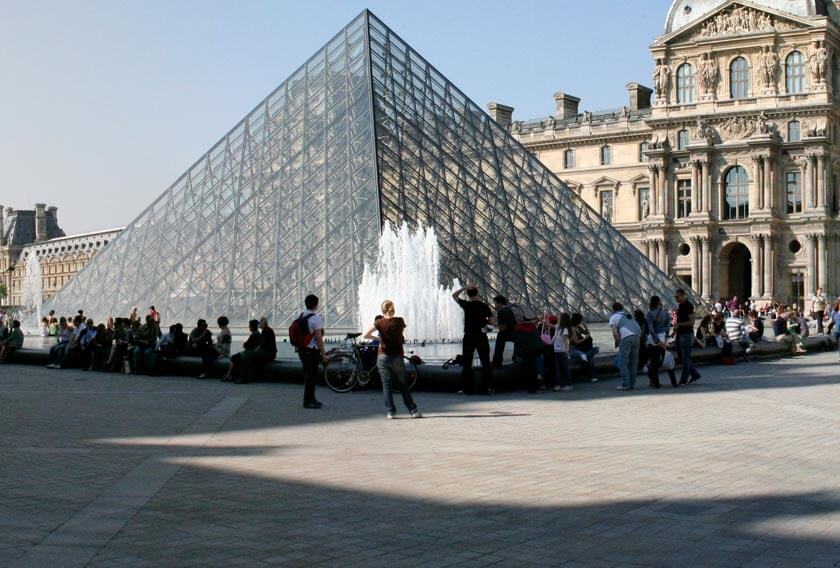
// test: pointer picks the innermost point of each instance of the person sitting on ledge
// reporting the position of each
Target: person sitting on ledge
(784, 334)
(13, 343)
(220, 349)
(582, 347)
(256, 360)
(65, 332)
(250, 344)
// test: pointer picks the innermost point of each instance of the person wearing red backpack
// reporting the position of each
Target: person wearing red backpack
(307, 335)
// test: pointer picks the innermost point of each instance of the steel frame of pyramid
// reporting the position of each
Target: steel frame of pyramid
(292, 200)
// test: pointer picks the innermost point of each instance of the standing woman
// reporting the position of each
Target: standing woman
(658, 324)
(561, 353)
(389, 361)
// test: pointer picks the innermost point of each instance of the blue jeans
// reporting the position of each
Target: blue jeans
(590, 363)
(392, 373)
(628, 360)
(685, 341)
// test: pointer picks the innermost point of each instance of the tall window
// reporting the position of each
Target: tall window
(606, 155)
(644, 203)
(685, 84)
(794, 131)
(607, 205)
(793, 183)
(795, 73)
(683, 198)
(682, 139)
(736, 194)
(569, 159)
(643, 147)
(739, 78)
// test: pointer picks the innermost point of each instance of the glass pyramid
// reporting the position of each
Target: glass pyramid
(292, 201)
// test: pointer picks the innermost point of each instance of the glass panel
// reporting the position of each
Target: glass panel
(794, 131)
(683, 198)
(795, 80)
(736, 194)
(685, 84)
(794, 192)
(739, 78)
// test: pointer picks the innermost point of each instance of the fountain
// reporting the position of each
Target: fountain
(407, 271)
(32, 296)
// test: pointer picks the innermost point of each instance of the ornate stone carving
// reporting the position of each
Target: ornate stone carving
(763, 126)
(707, 74)
(768, 67)
(516, 126)
(550, 123)
(819, 62)
(738, 127)
(740, 20)
(662, 81)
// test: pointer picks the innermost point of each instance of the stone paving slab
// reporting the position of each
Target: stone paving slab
(740, 469)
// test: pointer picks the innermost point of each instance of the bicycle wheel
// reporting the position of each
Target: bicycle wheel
(412, 373)
(341, 372)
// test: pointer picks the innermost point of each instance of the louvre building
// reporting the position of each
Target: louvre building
(292, 200)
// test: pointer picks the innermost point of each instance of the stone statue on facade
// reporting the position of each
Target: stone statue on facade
(516, 126)
(763, 126)
(551, 123)
(707, 74)
(645, 209)
(705, 131)
(662, 80)
(819, 62)
(769, 64)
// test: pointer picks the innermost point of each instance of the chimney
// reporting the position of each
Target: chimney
(639, 96)
(567, 105)
(40, 222)
(52, 213)
(502, 114)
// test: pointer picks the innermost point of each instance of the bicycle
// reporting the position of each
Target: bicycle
(350, 367)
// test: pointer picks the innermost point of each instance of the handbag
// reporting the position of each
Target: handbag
(668, 363)
(545, 336)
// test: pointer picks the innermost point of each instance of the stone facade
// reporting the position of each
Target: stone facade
(729, 179)
(36, 231)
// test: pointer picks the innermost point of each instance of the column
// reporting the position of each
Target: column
(695, 264)
(664, 257)
(766, 185)
(810, 183)
(695, 187)
(770, 191)
(646, 249)
(756, 267)
(769, 269)
(758, 185)
(654, 189)
(655, 252)
(821, 181)
(663, 190)
(822, 280)
(811, 274)
(706, 258)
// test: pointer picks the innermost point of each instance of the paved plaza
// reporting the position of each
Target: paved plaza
(741, 469)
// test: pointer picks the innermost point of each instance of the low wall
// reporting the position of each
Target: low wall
(433, 377)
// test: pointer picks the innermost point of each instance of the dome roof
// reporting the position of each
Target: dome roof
(684, 12)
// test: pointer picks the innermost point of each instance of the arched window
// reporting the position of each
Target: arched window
(736, 202)
(685, 84)
(739, 78)
(794, 131)
(795, 73)
(682, 139)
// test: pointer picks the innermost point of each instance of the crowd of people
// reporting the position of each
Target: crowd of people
(547, 344)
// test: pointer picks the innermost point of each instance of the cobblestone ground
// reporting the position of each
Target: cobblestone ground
(741, 469)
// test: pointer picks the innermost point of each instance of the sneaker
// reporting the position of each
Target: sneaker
(584, 358)
(391, 415)
(567, 389)
(51, 366)
(694, 379)
(622, 388)
(314, 404)
(416, 414)
(593, 380)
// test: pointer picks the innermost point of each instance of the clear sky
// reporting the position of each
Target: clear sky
(106, 102)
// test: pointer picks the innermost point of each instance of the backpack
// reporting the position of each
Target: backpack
(299, 334)
(522, 313)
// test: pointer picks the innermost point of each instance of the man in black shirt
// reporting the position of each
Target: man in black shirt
(685, 336)
(476, 316)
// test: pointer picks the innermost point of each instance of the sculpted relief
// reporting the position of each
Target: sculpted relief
(662, 80)
(739, 20)
(707, 74)
(768, 66)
